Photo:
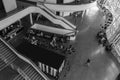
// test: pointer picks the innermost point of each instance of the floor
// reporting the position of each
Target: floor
(103, 65)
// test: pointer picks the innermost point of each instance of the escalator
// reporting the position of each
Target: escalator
(32, 9)
(25, 69)
(47, 10)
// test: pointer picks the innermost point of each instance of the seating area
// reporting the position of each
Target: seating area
(43, 57)
(102, 39)
(54, 42)
(109, 17)
(101, 35)
(11, 31)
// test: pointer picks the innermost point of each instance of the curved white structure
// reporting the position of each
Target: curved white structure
(70, 8)
(52, 29)
(9, 20)
(57, 17)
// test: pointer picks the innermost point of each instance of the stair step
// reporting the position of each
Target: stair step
(2, 65)
(8, 56)
(19, 77)
(32, 74)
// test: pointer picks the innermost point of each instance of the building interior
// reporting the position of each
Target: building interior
(59, 40)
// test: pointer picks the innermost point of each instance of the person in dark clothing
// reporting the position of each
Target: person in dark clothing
(88, 62)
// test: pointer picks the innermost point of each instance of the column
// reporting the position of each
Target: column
(43, 66)
(47, 69)
(31, 19)
(52, 71)
(40, 65)
(55, 71)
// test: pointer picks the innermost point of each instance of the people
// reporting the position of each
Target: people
(100, 34)
(88, 62)
(53, 42)
(101, 37)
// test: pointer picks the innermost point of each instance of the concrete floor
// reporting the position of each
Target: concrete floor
(103, 65)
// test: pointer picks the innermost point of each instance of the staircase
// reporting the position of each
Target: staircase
(32, 74)
(8, 56)
(2, 65)
(47, 10)
(19, 77)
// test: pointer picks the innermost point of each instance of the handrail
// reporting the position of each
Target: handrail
(26, 60)
(52, 29)
(55, 16)
(32, 9)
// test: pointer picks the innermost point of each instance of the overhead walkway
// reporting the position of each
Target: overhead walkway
(8, 56)
(70, 8)
(9, 20)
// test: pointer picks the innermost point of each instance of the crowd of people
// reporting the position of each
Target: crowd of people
(109, 18)
(107, 14)
(101, 35)
(54, 42)
(102, 39)
(11, 31)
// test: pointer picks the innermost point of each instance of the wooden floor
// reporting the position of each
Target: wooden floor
(103, 65)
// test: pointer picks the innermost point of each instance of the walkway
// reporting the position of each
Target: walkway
(103, 65)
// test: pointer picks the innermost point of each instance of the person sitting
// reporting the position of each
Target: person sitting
(34, 41)
(53, 42)
(100, 34)
(101, 37)
(108, 48)
(70, 49)
(103, 41)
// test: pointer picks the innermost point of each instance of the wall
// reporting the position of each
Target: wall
(9, 5)
(1, 6)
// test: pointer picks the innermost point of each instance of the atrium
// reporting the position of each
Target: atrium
(59, 40)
